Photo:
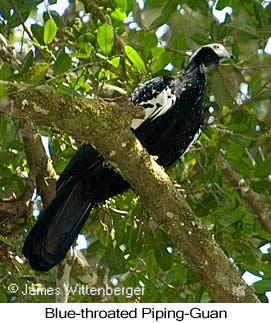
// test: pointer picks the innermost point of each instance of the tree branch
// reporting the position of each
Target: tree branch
(8, 53)
(63, 271)
(43, 176)
(42, 171)
(254, 201)
(107, 126)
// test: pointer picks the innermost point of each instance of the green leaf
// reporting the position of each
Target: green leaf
(263, 169)
(201, 6)
(105, 38)
(149, 40)
(118, 15)
(4, 157)
(176, 274)
(54, 15)
(161, 61)
(259, 14)
(5, 171)
(38, 72)
(235, 216)
(121, 4)
(152, 268)
(16, 144)
(5, 72)
(262, 233)
(62, 64)
(221, 4)
(180, 42)
(5, 6)
(50, 30)
(67, 90)
(246, 30)
(115, 258)
(163, 257)
(262, 286)
(153, 294)
(3, 129)
(80, 55)
(135, 58)
(81, 84)
(234, 151)
(2, 92)
(14, 20)
(115, 61)
(86, 38)
(200, 38)
(27, 62)
(84, 43)
(236, 127)
(95, 247)
(242, 166)
(31, 4)
(38, 32)
(226, 112)
(168, 9)
(255, 83)
(153, 3)
(6, 241)
(262, 186)
(266, 95)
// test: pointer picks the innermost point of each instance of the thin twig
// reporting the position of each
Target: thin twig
(219, 128)
(54, 78)
(252, 198)
(29, 33)
(177, 51)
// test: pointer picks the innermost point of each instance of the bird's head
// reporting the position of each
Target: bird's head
(208, 56)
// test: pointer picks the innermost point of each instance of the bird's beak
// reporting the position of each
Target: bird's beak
(224, 55)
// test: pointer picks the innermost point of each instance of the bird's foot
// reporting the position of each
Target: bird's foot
(154, 157)
(178, 187)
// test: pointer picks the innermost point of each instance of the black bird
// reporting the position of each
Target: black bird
(173, 122)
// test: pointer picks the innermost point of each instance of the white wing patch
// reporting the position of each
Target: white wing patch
(158, 106)
(197, 134)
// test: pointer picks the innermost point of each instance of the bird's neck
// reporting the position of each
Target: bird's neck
(194, 68)
(194, 73)
(192, 82)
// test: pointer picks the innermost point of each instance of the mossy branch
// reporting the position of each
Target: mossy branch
(106, 125)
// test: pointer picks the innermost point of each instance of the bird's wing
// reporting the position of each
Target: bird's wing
(86, 157)
(157, 96)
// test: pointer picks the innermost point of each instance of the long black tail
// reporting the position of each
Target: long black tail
(58, 226)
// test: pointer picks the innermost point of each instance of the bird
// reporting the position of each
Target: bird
(174, 120)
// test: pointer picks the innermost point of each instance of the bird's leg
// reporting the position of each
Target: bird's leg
(178, 187)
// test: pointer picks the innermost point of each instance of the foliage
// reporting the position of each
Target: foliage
(81, 54)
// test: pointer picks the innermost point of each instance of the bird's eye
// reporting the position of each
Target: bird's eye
(216, 46)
